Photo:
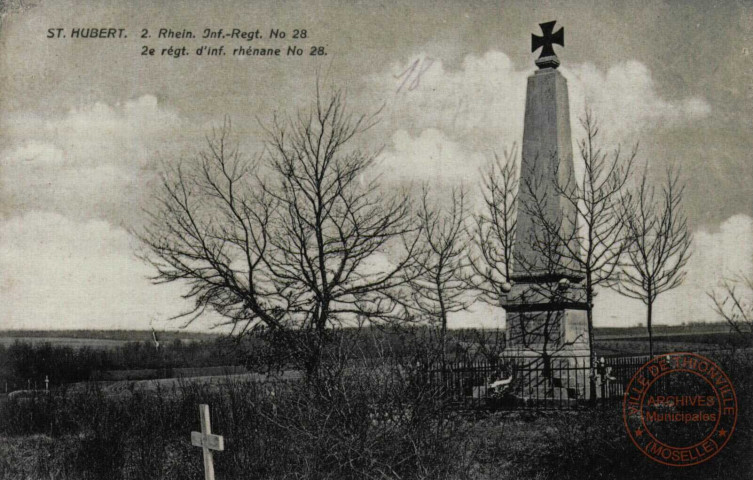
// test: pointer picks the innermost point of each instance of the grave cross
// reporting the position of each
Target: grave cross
(207, 441)
(549, 38)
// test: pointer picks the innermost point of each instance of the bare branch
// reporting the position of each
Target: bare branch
(494, 232)
(439, 288)
(295, 249)
(733, 301)
(659, 245)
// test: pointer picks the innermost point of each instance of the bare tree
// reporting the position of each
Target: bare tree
(588, 237)
(439, 288)
(288, 240)
(494, 233)
(733, 301)
(659, 244)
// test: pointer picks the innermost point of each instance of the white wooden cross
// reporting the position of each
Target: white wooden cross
(207, 441)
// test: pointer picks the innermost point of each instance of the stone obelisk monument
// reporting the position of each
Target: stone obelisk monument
(545, 309)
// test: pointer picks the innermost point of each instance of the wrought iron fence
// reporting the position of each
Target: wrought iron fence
(536, 383)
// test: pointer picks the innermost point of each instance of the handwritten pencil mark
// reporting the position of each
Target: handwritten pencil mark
(411, 76)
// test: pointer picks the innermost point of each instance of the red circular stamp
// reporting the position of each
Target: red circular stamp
(680, 409)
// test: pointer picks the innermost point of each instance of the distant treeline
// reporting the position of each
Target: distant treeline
(690, 328)
(23, 364)
(123, 335)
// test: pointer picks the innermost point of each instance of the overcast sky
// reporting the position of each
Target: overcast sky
(83, 123)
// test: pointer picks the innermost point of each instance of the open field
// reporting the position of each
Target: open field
(659, 330)
(641, 347)
(120, 336)
(350, 428)
(27, 358)
(377, 422)
(72, 342)
(64, 336)
(693, 333)
(687, 338)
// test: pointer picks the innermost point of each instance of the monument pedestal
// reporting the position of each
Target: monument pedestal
(548, 343)
(547, 337)
(546, 317)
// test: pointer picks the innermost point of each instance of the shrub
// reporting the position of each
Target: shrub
(354, 424)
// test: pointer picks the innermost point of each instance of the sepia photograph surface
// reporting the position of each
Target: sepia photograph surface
(376, 240)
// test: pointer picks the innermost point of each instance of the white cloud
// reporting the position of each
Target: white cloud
(90, 162)
(625, 99)
(483, 100)
(35, 153)
(482, 103)
(126, 133)
(60, 273)
(725, 252)
(432, 156)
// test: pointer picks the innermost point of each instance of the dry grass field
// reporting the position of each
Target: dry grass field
(352, 424)
(369, 424)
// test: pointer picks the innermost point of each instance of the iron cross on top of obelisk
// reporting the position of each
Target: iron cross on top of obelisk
(548, 59)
